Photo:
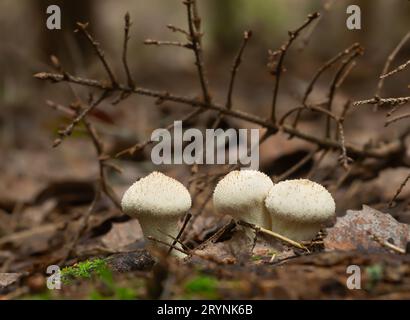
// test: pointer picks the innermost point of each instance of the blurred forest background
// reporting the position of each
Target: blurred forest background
(56, 184)
(28, 126)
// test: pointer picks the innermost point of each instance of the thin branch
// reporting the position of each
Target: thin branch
(296, 166)
(389, 149)
(168, 245)
(177, 29)
(194, 24)
(398, 69)
(167, 43)
(278, 65)
(235, 66)
(388, 62)
(334, 85)
(345, 160)
(81, 116)
(399, 190)
(237, 62)
(99, 147)
(318, 74)
(398, 118)
(140, 146)
(188, 216)
(127, 26)
(100, 53)
(82, 228)
(383, 101)
(272, 234)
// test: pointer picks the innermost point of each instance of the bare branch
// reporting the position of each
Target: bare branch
(127, 26)
(380, 152)
(388, 62)
(383, 101)
(194, 24)
(277, 58)
(235, 66)
(168, 43)
(399, 190)
(398, 69)
(395, 119)
(69, 129)
(100, 53)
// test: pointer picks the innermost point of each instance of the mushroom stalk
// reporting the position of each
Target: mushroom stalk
(165, 230)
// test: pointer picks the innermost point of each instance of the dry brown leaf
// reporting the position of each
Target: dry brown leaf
(357, 230)
(7, 279)
(122, 235)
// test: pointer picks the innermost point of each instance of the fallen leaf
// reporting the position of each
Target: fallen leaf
(357, 231)
(122, 235)
(7, 279)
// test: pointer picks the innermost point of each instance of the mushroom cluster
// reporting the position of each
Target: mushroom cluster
(296, 209)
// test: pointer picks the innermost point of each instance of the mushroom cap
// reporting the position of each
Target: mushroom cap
(241, 191)
(156, 195)
(300, 200)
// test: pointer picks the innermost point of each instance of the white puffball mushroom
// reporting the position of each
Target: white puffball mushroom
(158, 202)
(298, 208)
(241, 194)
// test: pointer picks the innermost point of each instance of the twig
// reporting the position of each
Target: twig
(380, 152)
(235, 66)
(188, 216)
(388, 62)
(296, 166)
(319, 72)
(334, 85)
(127, 26)
(168, 245)
(167, 43)
(82, 228)
(99, 147)
(237, 62)
(387, 244)
(383, 101)
(398, 69)
(194, 24)
(395, 119)
(81, 116)
(399, 190)
(345, 160)
(100, 53)
(177, 29)
(272, 234)
(278, 65)
(140, 146)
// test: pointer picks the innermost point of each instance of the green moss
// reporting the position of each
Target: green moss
(374, 275)
(202, 286)
(84, 270)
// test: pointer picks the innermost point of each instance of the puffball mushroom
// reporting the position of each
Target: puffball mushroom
(298, 208)
(241, 194)
(158, 202)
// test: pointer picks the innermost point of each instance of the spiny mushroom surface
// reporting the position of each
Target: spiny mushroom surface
(298, 208)
(158, 202)
(241, 194)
